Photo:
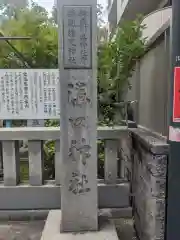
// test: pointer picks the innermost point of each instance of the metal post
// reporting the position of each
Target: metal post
(173, 172)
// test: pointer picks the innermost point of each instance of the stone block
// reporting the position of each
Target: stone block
(11, 162)
(149, 190)
(107, 230)
(36, 163)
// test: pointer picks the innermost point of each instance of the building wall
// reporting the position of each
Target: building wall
(119, 10)
(129, 9)
(152, 78)
(121, 5)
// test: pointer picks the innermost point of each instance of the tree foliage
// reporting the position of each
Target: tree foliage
(9, 8)
(116, 59)
(39, 52)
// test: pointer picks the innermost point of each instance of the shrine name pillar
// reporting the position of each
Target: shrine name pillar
(78, 111)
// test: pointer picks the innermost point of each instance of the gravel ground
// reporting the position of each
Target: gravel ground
(32, 230)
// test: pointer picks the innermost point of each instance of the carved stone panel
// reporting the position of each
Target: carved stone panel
(77, 37)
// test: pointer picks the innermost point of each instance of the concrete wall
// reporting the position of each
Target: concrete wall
(119, 10)
(151, 77)
(129, 9)
(156, 23)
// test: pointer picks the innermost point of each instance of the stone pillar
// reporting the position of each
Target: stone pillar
(1, 156)
(110, 164)
(36, 156)
(57, 163)
(11, 162)
(78, 99)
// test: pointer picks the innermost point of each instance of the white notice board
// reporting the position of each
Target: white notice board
(29, 94)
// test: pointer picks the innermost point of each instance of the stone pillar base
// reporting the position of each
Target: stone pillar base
(51, 230)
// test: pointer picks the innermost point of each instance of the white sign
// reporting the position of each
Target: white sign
(77, 37)
(29, 94)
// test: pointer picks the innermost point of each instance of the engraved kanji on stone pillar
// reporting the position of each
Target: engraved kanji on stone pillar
(77, 25)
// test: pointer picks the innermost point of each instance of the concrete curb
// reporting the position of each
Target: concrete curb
(34, 215)
(51, 230)
(23, 215)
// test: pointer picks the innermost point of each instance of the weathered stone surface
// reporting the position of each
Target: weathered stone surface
(78, 93)
(11, 162)
(107, 230)
(152, 142)
(36, 164)
(57, 163)
(149, 193)
(148, 183)
(110, 167)
(126, 156)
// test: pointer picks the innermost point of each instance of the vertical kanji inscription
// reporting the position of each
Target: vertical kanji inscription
(77, 37)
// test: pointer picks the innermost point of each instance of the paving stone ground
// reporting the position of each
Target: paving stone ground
(32, 230)
(21, 230)
(125, 229)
